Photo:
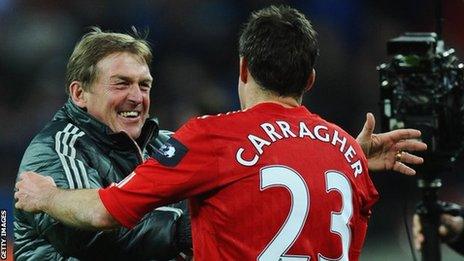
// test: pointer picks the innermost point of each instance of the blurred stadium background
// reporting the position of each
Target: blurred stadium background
(196, 67)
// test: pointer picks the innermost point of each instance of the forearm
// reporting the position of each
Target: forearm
(79, 208)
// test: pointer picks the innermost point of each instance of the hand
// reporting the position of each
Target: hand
(449, 230)
(418, 237)
(382, 150)
(33, 191)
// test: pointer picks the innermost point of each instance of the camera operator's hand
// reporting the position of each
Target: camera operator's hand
(389, 150)
(451, 225)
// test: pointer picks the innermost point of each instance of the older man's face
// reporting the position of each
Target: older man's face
(120, 95)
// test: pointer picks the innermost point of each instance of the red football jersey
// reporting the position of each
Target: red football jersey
(265, 183)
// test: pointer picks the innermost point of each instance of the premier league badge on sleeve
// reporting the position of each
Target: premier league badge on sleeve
(168, 150)
(170, 153)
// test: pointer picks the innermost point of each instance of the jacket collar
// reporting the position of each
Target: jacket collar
(103, 133)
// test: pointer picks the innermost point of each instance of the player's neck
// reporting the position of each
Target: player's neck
(286, 102)
(260, 96)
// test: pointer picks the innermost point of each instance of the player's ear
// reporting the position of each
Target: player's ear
(243, 70)
(77, 94)
(311, 80)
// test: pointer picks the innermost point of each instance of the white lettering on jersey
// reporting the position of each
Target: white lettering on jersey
(285, 127)
(318, 132)
(349, 154)
(258, 143)
(270, 131)
(247, 163)
(304, 131)
(336, 139)
(357, 168)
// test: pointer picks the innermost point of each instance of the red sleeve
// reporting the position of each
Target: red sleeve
(183, 167)
(116, 210)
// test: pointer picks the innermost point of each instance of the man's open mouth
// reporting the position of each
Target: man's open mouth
(129, 114)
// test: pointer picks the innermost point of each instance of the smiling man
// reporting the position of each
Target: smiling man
(120, 96)
(96, 139)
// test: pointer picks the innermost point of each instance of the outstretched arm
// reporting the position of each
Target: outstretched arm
(79, 208)
(390, 150)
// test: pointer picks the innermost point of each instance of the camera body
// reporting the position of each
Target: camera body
(422, 87)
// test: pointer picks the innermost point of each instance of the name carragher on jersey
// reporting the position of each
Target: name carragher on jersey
(281, 130)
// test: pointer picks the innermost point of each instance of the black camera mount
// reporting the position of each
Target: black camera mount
(422, 87)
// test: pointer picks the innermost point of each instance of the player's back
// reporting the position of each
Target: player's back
(289, 185)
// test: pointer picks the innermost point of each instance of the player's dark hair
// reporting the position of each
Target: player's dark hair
(280, 47)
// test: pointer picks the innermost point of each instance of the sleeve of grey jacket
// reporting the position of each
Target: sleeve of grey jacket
(155, 237)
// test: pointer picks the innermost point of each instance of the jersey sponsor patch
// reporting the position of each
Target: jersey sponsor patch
(170, 153)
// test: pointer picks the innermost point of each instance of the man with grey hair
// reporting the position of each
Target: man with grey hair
(96, 139)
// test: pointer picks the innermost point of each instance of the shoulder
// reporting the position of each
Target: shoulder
(214, 121)
(57, 139)
(337, 135)
(319, 120)
(206, 129)
(60, 125)
(57, 134)
(221, 116)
